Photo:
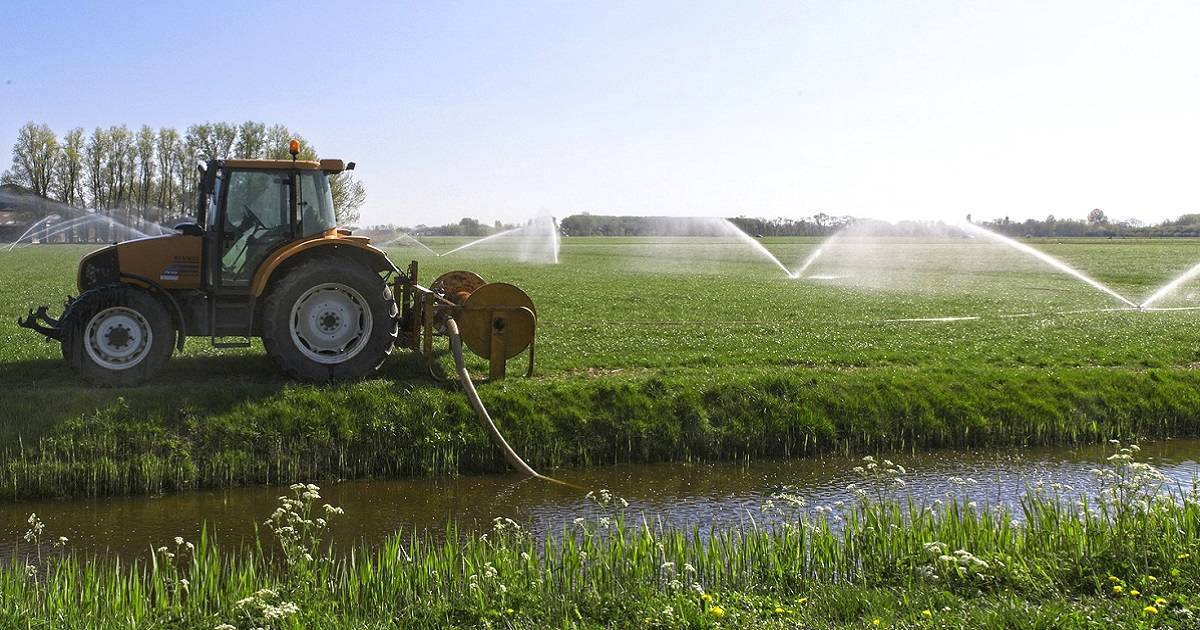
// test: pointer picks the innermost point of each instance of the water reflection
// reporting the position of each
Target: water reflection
(682, 495)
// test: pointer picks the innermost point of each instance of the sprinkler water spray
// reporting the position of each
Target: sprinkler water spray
(1171, 286)
(1050, 260)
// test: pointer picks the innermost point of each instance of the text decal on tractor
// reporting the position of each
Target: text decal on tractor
(265, 258)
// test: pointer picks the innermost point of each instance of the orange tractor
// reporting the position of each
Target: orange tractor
(266, 259)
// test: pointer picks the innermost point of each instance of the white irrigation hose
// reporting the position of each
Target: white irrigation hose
(481, 412)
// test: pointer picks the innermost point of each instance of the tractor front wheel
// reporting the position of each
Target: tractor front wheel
(117, 335)
(329, 319)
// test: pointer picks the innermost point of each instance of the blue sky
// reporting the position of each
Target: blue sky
(508, 110)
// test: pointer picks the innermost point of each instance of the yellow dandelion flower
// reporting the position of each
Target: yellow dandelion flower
(1150, 610)
(876, 621)
(802, 601)
(1114, 579)
(717, 611)
(1151, 578)
(508, 610)
(1183, 556)
(1118, 589)
(1158, 601)
(706, 597)
(1134, 593)
(928, 614)
(778, 610)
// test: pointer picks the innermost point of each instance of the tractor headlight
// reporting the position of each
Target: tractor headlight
(99, 268)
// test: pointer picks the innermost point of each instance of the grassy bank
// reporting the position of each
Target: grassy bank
(649, 350)
(1126, 557)
(377, 428)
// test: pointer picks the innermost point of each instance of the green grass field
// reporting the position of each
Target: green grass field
(648, 349)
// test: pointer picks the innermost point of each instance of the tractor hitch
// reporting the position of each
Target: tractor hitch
(41, 322)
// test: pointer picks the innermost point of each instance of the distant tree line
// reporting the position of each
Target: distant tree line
(821, 224)
(1097, 224)
(586, 224)
(148, 174)
(464, 227)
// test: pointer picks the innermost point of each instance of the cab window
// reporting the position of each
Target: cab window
(256, 222)
(316, 204)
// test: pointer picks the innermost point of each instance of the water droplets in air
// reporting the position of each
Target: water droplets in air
(535, 241)
(92, 227)
(406, 238)
(1047, 259)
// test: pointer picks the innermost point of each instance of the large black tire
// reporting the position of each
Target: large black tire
(321, 304)
(117, 335)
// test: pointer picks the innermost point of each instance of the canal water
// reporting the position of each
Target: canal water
(680, 494)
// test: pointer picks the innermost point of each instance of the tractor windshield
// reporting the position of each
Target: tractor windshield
(316, 204)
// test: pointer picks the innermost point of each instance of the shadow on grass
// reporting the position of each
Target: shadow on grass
(41, 393)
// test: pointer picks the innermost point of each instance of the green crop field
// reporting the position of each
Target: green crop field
(648, 349)
(655, 350)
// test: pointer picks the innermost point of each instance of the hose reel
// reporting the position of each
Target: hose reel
(497, 321)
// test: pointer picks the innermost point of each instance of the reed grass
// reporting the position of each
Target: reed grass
(1125, 557)
(368, 430)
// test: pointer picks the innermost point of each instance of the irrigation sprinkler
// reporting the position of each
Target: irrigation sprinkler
(52, 217)
(1170, 287)
(404, 236)
(1047, 259)
(537, 239)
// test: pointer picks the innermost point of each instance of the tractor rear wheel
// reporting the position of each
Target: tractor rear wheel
(117, 335)
(329, 319)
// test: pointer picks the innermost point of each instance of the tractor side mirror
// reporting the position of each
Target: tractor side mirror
(190, 229)
(350, 166)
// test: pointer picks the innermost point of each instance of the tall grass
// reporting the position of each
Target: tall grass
(369, 430)
(1128, 554)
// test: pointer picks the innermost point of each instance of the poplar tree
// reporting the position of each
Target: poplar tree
(33, 158)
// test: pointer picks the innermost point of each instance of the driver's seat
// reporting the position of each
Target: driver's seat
(233, 263)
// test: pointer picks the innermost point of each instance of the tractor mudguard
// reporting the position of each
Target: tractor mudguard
(357, 246)
(42, 323)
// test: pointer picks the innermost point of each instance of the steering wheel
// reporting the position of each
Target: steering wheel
(254, 217)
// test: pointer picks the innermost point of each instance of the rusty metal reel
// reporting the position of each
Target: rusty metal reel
(497, 308)
(456, 286)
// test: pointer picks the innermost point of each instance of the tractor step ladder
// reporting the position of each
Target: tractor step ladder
(232, 308)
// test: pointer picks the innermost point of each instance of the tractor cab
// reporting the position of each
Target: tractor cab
(250, 208)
